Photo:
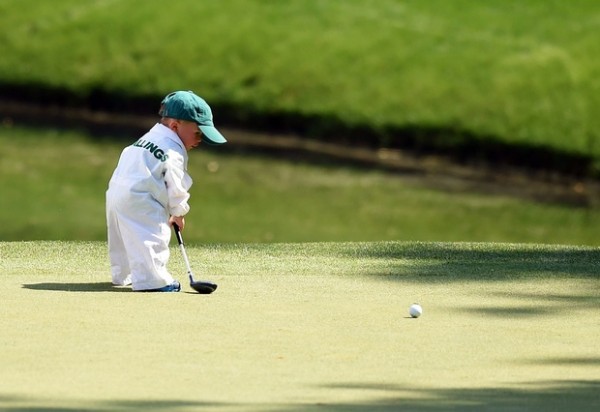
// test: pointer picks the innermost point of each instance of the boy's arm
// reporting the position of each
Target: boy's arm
(178, 183)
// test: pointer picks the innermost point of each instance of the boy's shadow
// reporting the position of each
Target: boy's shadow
(77, 287)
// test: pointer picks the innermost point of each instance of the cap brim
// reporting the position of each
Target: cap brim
(212, 135)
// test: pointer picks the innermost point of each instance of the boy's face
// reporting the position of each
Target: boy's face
(188, 132)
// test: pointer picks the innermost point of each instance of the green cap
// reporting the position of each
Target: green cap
(186, 105)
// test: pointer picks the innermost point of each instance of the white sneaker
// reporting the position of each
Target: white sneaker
(125, 282)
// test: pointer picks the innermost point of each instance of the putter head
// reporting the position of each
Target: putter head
(203, 287)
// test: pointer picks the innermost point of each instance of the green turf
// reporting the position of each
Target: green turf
(521, 71)
(311, 326)
(53, 184)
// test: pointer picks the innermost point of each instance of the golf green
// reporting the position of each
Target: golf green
(292, 327)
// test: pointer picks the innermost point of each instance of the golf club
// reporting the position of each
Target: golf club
(201, 286)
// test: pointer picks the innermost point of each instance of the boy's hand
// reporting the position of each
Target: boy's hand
(179, 220)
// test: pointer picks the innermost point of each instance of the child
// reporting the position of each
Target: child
(149, 191)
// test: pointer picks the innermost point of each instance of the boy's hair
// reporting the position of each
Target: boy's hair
(166, 120)
(161, 111)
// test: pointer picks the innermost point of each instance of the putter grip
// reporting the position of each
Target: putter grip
(178, 233)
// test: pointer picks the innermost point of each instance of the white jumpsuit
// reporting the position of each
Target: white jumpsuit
(149, 184)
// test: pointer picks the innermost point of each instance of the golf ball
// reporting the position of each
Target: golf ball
(415, 310)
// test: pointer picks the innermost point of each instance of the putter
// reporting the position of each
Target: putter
(201, 286)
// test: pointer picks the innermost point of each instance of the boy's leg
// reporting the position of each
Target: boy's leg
(119, 263)
(147, 243)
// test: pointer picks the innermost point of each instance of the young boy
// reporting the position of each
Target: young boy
(149, 191)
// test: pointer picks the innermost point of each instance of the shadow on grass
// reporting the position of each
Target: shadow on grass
(22, 404)
(543, 397)
(546, 304)
(431, 263)
(77, 287)
(580, 395)
(512, 311)
(564, 361)
(446, 262)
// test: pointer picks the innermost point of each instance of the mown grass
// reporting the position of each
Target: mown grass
(53, 184)
(313, 326)
(523, 72)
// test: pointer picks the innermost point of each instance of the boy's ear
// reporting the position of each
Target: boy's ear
(173, 124)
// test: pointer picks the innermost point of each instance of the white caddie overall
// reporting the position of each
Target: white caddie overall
(149, 184)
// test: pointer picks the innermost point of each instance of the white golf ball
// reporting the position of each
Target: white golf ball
(415, 310)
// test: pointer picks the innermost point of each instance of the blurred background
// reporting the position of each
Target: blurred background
(421, 120)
